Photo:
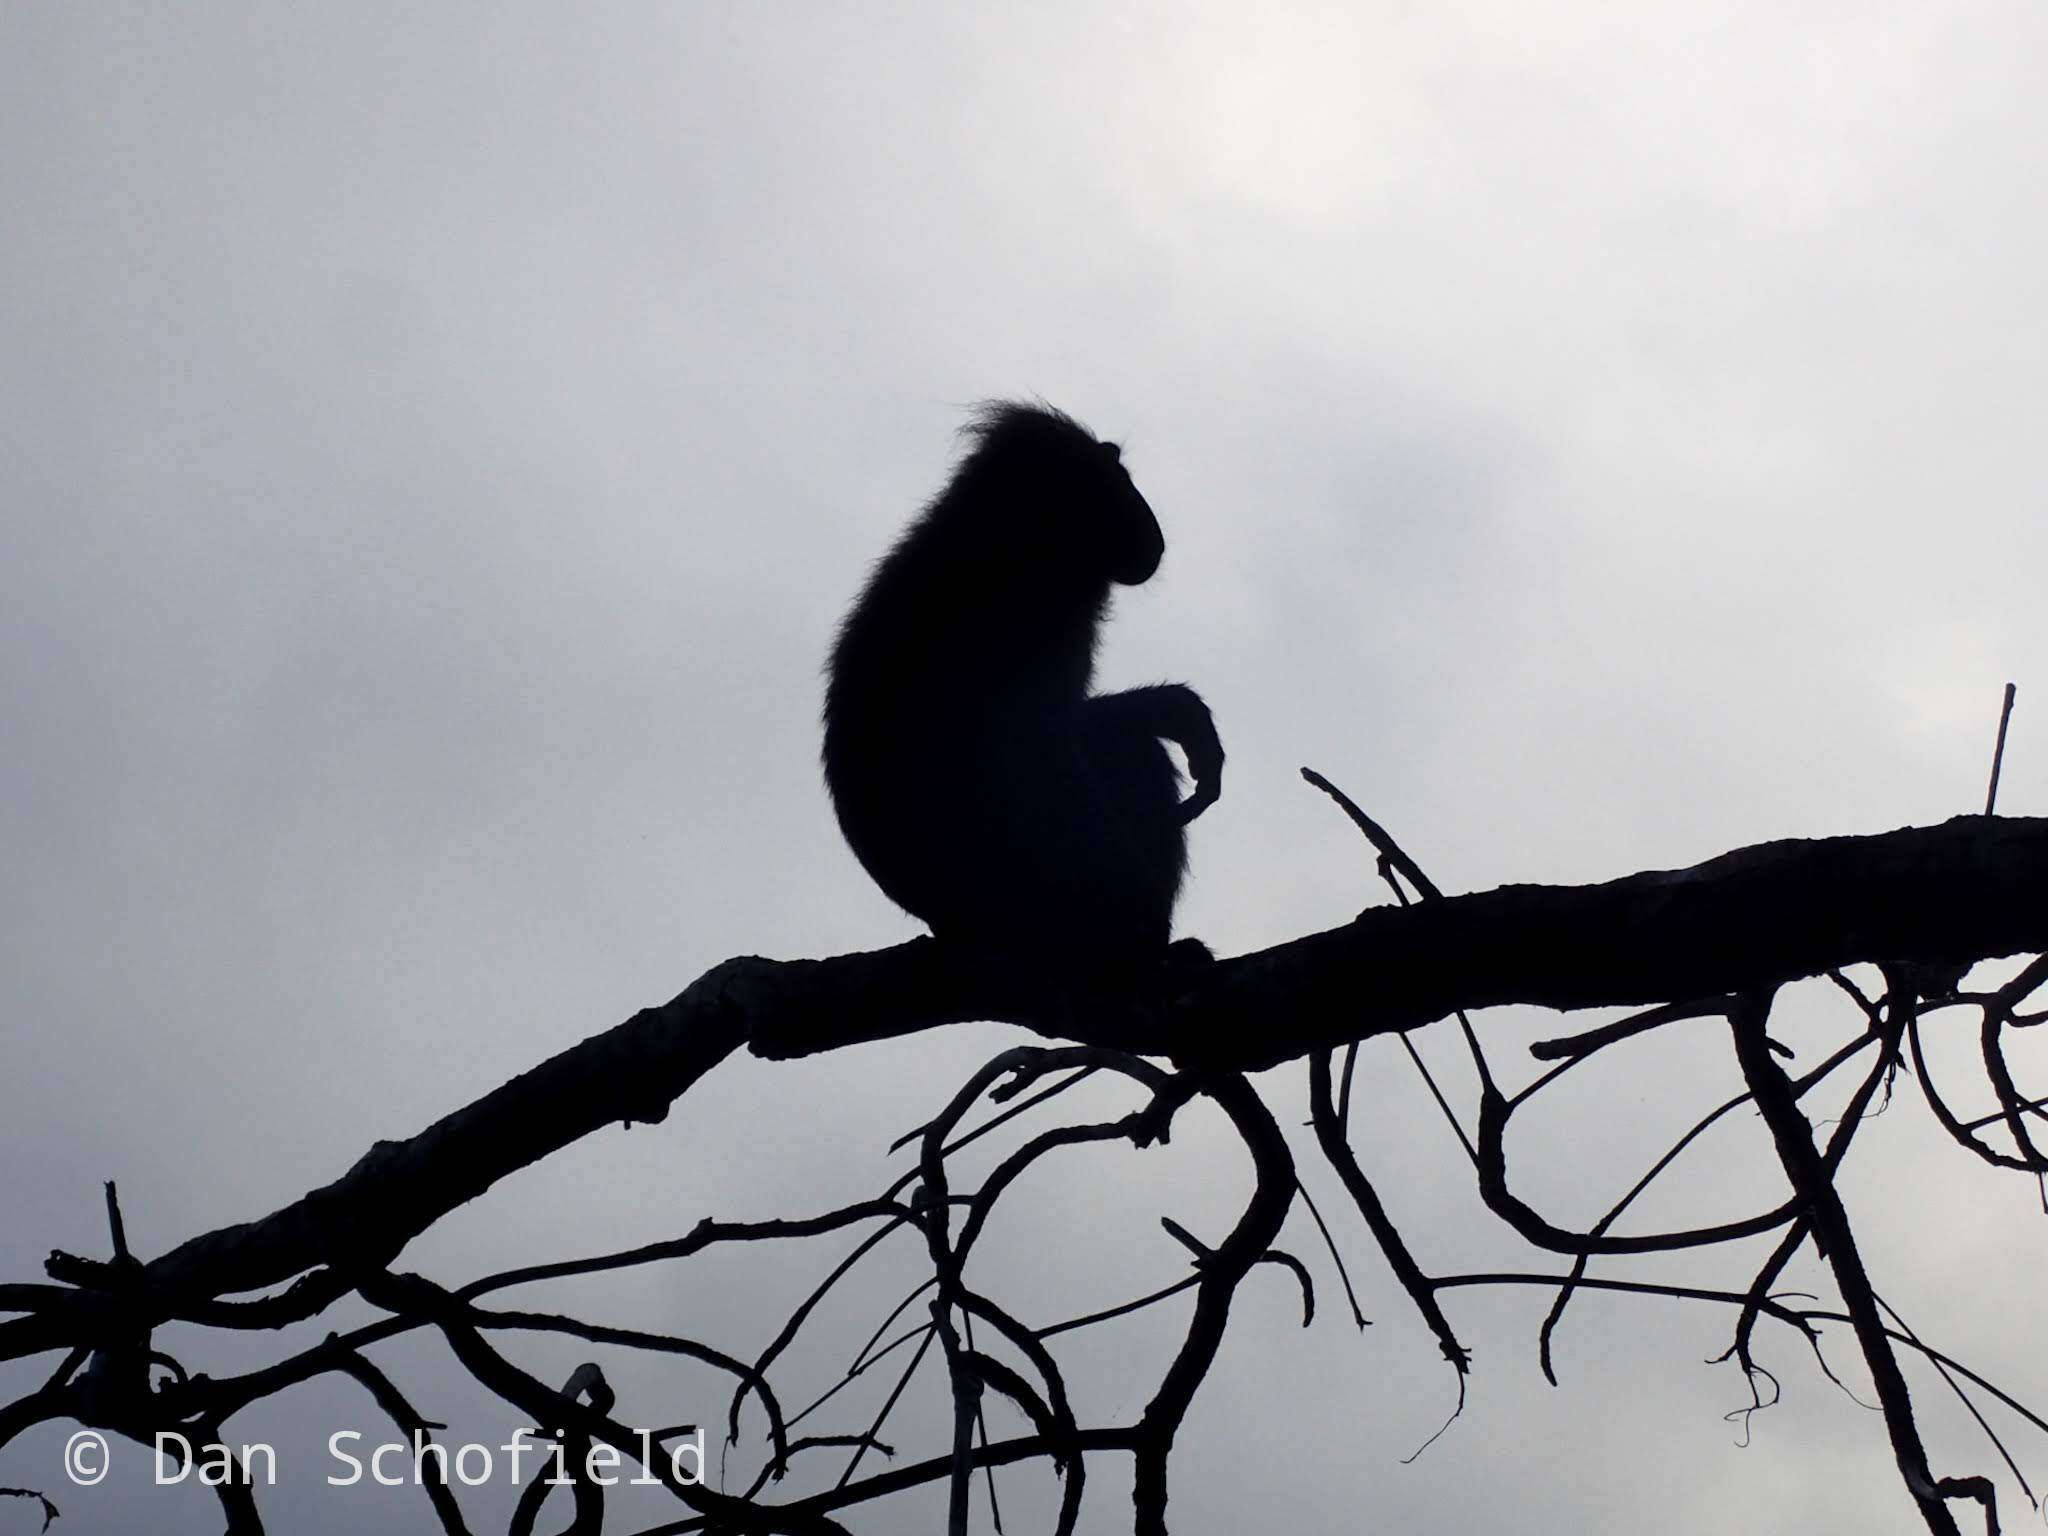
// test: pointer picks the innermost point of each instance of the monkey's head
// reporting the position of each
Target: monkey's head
(1068, 490)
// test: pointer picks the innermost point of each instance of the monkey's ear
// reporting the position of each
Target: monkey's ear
(1116, 454)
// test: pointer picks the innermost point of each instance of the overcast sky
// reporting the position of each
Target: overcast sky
(437, 442)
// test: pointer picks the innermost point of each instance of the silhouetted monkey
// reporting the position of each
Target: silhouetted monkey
(976, 778)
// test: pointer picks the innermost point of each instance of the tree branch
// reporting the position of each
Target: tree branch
(1974, 888)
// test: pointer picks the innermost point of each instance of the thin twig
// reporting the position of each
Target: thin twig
(1998, 752)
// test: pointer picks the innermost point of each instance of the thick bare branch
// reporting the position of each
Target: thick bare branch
(1973, 888)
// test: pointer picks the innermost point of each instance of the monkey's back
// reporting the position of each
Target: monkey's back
(979, 791)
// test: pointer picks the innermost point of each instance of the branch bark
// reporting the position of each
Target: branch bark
(1973, 888)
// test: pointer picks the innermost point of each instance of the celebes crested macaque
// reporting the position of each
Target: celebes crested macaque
(980, 783)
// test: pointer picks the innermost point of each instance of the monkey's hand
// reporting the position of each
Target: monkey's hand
(1189, 725)
(1208, 787)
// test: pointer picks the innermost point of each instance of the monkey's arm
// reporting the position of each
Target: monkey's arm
(1175, 713)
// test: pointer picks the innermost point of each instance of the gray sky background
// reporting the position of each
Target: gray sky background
(436, 445)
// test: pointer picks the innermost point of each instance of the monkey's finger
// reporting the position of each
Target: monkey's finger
(1206, 794)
